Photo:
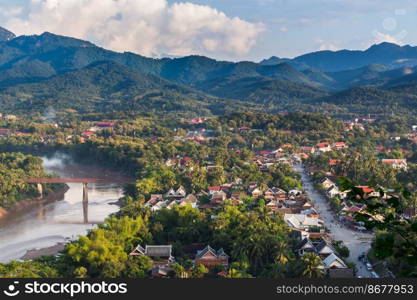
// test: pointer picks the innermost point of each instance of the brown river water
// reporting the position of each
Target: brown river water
(45, 225)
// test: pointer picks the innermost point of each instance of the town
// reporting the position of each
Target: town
(297, 183)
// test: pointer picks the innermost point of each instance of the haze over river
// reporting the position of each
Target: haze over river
(45, 225)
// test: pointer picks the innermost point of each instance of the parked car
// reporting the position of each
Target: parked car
(368, 266)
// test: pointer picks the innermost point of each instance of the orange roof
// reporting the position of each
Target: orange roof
(393, 161)
(365, 189)
(333, 162)
(323, 145)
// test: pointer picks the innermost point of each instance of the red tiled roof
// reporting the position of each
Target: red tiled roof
(214, 188)
(393, 161)
(88, 133)
(333, 162)
(323, 145)
(365, 189)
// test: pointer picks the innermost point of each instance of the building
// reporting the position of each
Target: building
(399, 164)
(302, 222)
(4, 132)
(327, 183)
(210, 257)
(339, 145)
(88, 134)
(334, 261)
(178, 194)
(161, 256)
(323, 147)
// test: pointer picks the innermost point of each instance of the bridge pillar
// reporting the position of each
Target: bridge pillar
(85, 202)
(40, 189)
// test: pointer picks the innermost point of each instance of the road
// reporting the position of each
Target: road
(356, 242)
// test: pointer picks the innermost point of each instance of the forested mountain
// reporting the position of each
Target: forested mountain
(388, 54)
(51, 70)
(273, 93)
(105, 86)
(364, 100)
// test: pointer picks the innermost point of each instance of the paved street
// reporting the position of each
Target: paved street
(355, 241)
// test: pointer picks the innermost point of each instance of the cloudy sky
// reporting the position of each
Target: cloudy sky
(224, 29)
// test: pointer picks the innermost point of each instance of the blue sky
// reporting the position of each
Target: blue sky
(285, 28)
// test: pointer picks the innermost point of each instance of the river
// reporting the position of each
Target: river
(46, 225)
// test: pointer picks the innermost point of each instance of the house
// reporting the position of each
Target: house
(333, 261)
(214, 189)
(269, 194)
(256, 192)
(156, 252)
(218, 197)
(294, 193)
(334, 162)
(273, 205)
(159, 205)
(368, 191)
(280, 194)
(88, 134)
(189, 200)
(305, 246)
(161, 256)
(323, 147)
(155, 198)
(327, 183)
(4, 132)
(332, 191)
(210, 257)
(10, 117)
(302, 222)
(339, 145)
(399, 164)
(324, 248)
(307, 150)
(178, 194)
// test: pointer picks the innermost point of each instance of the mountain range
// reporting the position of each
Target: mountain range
(46, 70)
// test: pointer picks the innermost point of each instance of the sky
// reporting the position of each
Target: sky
(223, 29)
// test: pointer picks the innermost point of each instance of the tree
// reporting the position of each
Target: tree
(313, 266)
(396, 237)
(199, 271)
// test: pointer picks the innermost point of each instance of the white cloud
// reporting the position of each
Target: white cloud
(380, 37)
(328, 46)
(148, 27)
(323, 45)
(11, 12)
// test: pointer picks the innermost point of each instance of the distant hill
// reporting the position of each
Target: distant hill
(364, 100)
(108, 86)
(6, 35)
(261, 90)
(355, 77)
(48, 69)
(387, 54)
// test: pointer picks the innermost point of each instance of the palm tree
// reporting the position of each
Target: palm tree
(313, 266)
(282, 255)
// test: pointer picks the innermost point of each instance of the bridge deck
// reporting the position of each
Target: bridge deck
(80, 180)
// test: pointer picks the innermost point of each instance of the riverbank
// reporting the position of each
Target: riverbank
(23, 205)
(47, 251)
